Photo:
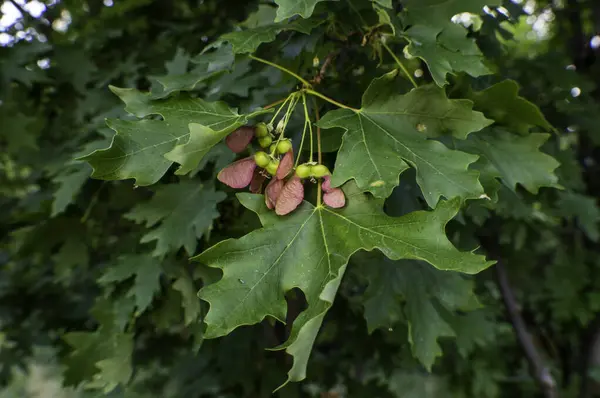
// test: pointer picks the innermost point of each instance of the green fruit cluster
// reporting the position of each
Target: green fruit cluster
(316, 171)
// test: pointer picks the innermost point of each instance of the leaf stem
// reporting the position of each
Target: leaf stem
(331, 101)
(307, 121)
(317, 118)
(400, 64)
(301, 146)
(274, 104)
(286, 118)
(319, 153)
(280, 108)
(281, 68)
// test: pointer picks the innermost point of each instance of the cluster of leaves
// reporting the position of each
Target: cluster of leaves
(440, 166)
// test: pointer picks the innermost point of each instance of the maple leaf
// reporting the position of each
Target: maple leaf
(583, 209)
(429, 296)
(514, 159)
(103, 356)
(289, 8)
(190, 302)
(389, 134)
(69, 181)
(502, 103)
(247, 41)
(442, 44)
(145, 149)
(309, 249)
(146, 270)
(180, 214)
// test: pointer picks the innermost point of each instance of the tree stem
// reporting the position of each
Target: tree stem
(319, 153)
(400, 64)
(541, 372)
(281, 68)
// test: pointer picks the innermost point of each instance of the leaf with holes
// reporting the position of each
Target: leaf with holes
(309, 249)
(390, 133)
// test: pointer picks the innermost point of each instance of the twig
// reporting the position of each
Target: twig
(321, 75)
(541, 372)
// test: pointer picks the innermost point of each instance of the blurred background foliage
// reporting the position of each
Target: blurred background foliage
(63, 235)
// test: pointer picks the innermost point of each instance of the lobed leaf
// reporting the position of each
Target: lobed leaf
(390, 133)
(309, 249)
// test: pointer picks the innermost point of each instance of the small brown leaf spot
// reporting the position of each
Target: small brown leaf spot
(378, 183)
(421, 127)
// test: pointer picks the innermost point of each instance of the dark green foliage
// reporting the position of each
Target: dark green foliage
(454, 140)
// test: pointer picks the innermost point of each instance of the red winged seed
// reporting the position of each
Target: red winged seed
(291, 196)
(240, 138)
(334, 198)
(238, 174)
(326, 184)
(272, 192)
(286, 165)
(257, 181)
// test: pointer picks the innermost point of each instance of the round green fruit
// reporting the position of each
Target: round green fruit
(261, 130)
(264, 142)
(262, 159)
(284, 146)
(272, 167)
(272, 148)
(319, 171)
(303, 171)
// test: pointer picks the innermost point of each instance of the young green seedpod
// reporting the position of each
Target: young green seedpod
(262, 159)
(272, 167)
(284, 146)
(319, 171)
(303, 171)
(264, 142)
(261, 130)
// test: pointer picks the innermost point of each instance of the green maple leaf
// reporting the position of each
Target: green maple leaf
(439, 12)
(207, 66)
(145, 149)
(146, 270)
(447, 52)
(289, 8)
(502, 103)
(247, 41)
(103, 356)
(182, 82)
(475, 328)
(584, 209)
(309, 249)
(442, 44)
(190, 302)
(180, 214)
(429, 295)
(390, 133)
(69, 182)
(514, 159)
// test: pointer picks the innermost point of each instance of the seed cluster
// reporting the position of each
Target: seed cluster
(285, 190)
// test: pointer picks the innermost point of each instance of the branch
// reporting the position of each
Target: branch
(321, 75)
(541, 372)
